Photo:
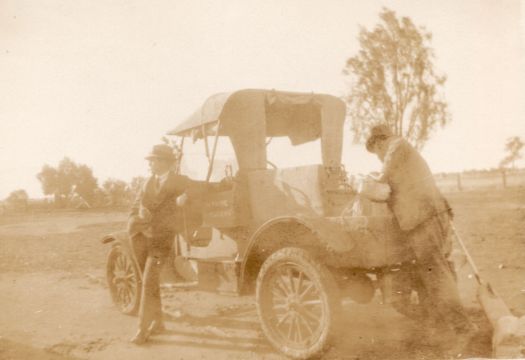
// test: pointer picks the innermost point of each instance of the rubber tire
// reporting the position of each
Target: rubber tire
(133, 307)
(324, 280)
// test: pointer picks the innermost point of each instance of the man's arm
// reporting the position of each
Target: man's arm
(134, 211)
(378, 188)
(194, 189)
(391, 158)
(188, 188)
(137, 211)
(137, 214)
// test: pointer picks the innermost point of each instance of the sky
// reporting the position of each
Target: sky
(101, 82)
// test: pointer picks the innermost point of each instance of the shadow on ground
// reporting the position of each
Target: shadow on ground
(14, 350)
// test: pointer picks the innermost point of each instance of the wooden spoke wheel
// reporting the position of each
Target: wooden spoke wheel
(298, 303)
(123, 280)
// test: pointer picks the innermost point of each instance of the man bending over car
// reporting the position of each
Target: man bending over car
(424, 216)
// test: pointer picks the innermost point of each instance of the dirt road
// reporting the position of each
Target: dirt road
(55, 304)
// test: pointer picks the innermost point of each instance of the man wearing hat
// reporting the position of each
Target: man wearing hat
(152, 228)
(424, 216)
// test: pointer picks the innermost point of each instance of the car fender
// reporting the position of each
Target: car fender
(123, 240)
(323, 237)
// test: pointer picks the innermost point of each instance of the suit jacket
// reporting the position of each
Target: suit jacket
(155, 213)
(415, 197)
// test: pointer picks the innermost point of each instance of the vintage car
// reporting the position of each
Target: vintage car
(292, 235)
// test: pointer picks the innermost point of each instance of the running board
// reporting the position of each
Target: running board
(219, 275)
(213, 274)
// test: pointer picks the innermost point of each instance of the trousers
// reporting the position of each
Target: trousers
(150, 257)
(430, 242)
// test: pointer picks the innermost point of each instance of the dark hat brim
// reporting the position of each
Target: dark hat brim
(157, 156)
(370, 142)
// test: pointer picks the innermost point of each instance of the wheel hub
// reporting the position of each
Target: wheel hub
(296, 306)
(119, 276)
(293, 303)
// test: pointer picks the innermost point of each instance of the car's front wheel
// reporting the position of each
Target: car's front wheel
(298, 303)
(123, 280)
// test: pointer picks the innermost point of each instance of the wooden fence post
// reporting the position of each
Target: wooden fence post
(458, 180)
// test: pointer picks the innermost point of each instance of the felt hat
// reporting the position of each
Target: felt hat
(163, 152)
(378, 131)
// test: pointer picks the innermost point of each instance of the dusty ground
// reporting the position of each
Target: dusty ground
(55, 305)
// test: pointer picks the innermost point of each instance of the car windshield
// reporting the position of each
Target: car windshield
(195, 162)
(280, 154)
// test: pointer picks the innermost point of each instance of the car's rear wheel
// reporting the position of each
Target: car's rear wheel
(123, 280)
(298, 303)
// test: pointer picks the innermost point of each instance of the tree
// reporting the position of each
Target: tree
(68, 179)
(134, 187)
(48, 177)
(392, 80)
(85, 183)
(117, 192)
(513, 148)
(136, 184)
(17, 199)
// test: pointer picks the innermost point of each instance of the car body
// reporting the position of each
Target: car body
(293, 232)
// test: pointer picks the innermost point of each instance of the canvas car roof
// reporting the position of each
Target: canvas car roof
(249, 116)
(275, 108)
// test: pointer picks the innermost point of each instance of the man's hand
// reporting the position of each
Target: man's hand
(373, 189)
(182, 200)
(377, 177)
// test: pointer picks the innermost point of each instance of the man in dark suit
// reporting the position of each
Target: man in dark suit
(152, 227)
(424, 216)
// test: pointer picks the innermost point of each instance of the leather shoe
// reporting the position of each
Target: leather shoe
(140, 337)
(464, 342)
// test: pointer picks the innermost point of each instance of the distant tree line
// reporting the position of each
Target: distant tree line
(17, 199)
(73, 185)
